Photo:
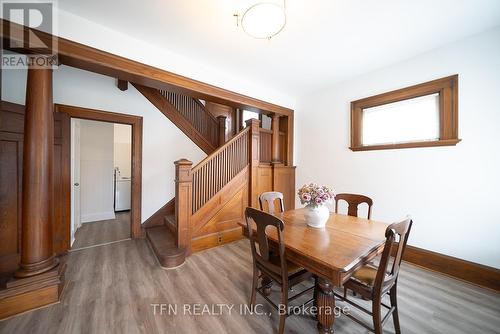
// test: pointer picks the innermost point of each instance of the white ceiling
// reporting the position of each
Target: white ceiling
(324, 41)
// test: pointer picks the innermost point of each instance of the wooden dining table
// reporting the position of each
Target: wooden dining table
(331, 253)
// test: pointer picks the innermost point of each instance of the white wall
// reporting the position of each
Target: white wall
(96, 171)
(90, 33)
(452, 193)
(163, 142)
(123, 149)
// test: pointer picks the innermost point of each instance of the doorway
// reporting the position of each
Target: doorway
(121, 216)
(101, 163)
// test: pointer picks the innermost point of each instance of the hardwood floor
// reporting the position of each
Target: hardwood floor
(110, 289)
(101, 232)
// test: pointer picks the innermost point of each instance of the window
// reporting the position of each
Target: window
(417, 116)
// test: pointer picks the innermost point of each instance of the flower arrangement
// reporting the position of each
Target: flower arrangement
(314, 195)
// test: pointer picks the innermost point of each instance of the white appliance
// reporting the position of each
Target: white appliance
(122, 193)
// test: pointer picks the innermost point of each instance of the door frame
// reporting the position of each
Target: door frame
(136, 123)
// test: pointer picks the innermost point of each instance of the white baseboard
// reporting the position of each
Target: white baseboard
(95, 217)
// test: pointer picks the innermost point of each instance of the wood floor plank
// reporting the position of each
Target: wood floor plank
(110, 289)
(101, 232)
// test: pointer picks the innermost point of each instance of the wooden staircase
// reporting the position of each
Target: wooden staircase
(210, 197)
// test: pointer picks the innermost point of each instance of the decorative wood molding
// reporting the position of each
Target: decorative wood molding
(122, 85)
(136, 123)
(87, 58)
(481, 275)
(448, 122)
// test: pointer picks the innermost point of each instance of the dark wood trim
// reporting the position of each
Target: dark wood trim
(157, 218)
(87, 58)
(478, 274)
(431, 143)
(136, 123)
(448, 94)
(122, 85)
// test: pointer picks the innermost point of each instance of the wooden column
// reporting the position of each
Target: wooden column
(37, 255)
(222, 129)
(237, 120)
(254, 150)
(183, 202)
(275, 145)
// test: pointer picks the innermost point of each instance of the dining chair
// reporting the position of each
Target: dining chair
(270, 197)
(373, 283)
(353, 200)
(272, 264)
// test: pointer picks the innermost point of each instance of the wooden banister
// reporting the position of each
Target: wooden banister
(219, 168)
(196, 114)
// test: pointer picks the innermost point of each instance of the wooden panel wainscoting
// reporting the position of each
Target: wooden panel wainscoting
(11, 169)
(265, 145)
(264, 179)
(471, 272)
(284, 182)
(11, 162)
(280, 178)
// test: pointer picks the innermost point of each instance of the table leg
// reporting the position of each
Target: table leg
(325, 301)
(267, 283)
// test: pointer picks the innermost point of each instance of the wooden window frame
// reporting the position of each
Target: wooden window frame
(448, 113)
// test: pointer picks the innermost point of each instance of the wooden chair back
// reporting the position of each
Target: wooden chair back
(353, 200)
(396, 238)
(260, 243)
(270, 197)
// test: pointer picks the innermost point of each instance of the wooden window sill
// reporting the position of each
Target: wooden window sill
(443, 142)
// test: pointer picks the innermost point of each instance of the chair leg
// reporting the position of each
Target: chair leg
(284, 302)
(255, 281)
(395, 315)
(377, 314)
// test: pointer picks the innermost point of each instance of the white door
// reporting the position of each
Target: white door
(75, 177)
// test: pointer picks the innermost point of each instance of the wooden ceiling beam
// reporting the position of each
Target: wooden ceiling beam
(94, 60)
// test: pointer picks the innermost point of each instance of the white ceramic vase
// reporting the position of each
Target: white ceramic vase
(317, 216)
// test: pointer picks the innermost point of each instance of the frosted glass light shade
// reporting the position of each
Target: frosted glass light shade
(263, 20)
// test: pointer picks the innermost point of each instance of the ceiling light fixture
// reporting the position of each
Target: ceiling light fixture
(263, 20)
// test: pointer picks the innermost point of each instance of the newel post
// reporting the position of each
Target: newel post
(254, 150)
(183, 202)
(222, 129)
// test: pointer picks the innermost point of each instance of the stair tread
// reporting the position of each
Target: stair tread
(170, 219)
(164, 246)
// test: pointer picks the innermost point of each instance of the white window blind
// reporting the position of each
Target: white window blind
(405, 121)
